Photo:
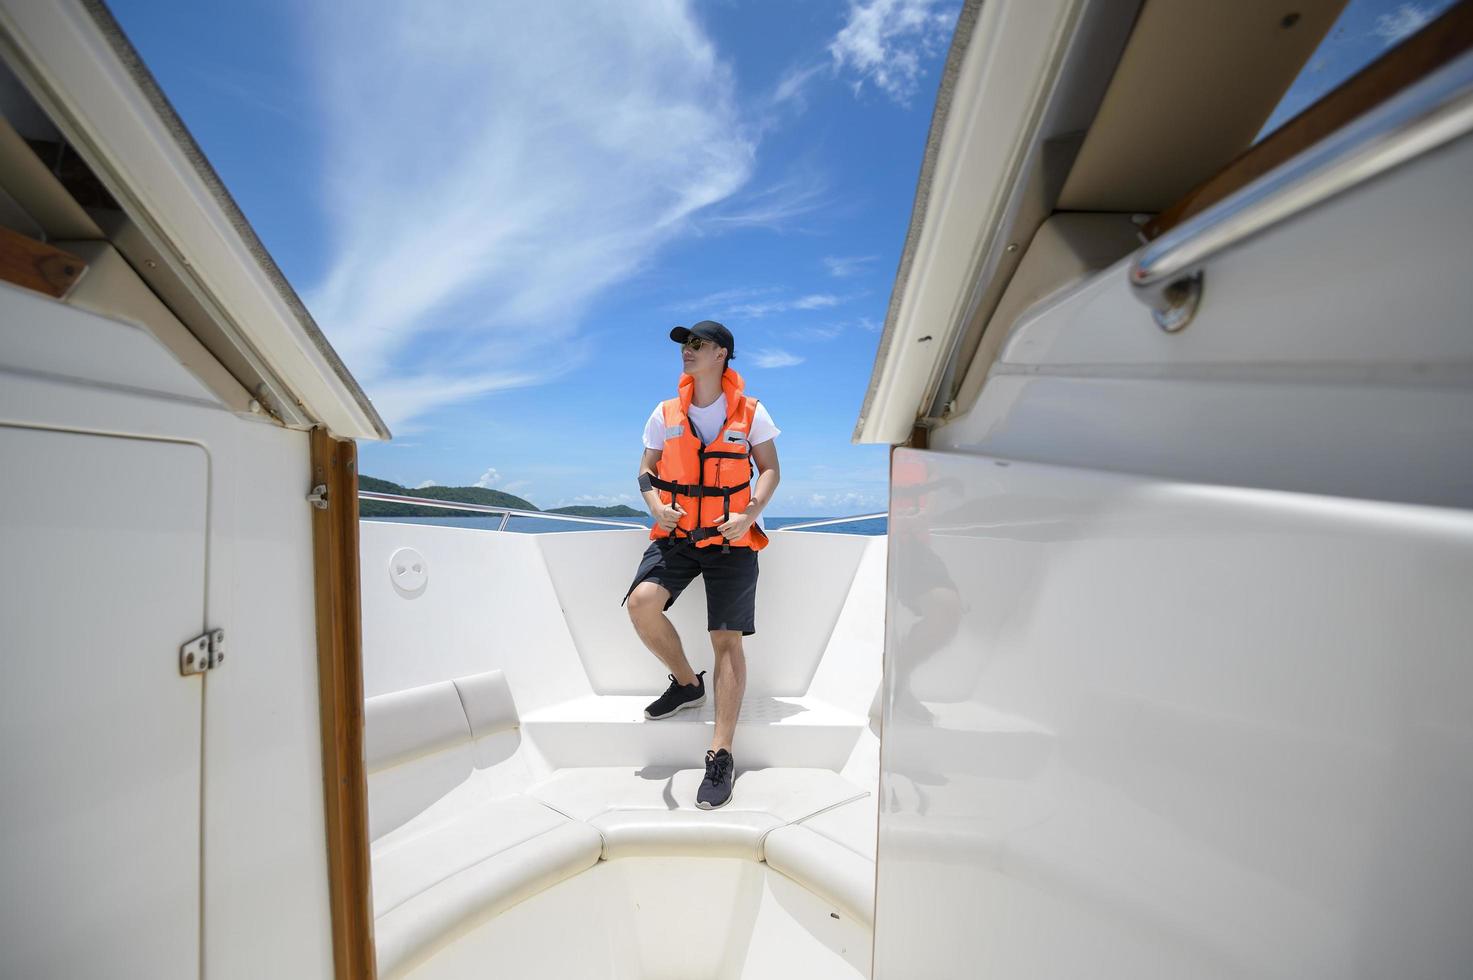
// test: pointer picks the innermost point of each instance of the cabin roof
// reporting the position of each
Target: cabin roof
(75, 61)
(1062, 107)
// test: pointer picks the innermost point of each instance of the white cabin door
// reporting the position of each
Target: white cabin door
(102, 578)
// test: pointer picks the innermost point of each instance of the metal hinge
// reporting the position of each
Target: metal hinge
(202, 653)
(318, 497)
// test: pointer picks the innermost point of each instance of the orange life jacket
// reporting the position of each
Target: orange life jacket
(709, 482)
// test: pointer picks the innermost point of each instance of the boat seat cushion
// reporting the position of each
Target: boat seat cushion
(423, 742)
(488, 703)
(652, 810)
(464, 860)
(453, 845)
(832, 855)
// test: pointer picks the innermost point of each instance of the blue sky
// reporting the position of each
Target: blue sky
(496, 211)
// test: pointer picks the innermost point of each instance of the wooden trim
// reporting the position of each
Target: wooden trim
(36, 265)
(1429, 49)
(340, 695)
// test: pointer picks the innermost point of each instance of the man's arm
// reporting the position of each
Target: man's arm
(648, 463)
(765, 456)
(767, 480)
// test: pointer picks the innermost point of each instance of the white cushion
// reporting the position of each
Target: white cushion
(676, 833)
(653, 810)
(488, 703)
(421, 743)
(832, 854)
(450, 838)
(824, 867)
(408, 724)
(417, 746)
(417, 927)
(855, 825)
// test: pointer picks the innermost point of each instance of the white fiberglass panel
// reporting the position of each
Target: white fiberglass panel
(1139, 728)
(1406, 443)
(803, 581)
(1373, 285)
(485, 603)
(849, 672)
(103, 580)
(264, 858)
(1331, 354)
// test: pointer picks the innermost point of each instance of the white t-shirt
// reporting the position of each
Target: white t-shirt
(707, 422)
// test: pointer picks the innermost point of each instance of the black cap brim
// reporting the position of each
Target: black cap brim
(708, 330)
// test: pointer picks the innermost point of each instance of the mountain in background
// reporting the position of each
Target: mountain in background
(469, 495)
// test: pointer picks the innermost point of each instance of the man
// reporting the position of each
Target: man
(696, 476)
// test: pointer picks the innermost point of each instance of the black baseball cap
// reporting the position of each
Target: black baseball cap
(707, 330)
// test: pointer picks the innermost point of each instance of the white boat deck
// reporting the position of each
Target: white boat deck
(510, 761)
(611, 730)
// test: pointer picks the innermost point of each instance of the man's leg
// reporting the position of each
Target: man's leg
(646, 606)
(730, 679)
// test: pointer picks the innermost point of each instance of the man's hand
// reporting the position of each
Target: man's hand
(735, 527)
(668, 517)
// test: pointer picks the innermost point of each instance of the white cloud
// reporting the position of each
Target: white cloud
(425, 483)
(748, 302)
(794, 83)
(857, 501)
(723, 300)
(865, 323)
(772, 207)
(493, 167)
(401, 398)
(828, 332)
(813, 301)
(771, 358)
(884, 41)
(1401, 22)
(596, 500)
(843, 267)
(493, 480)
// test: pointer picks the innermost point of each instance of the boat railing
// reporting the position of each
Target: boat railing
(507, 513)
(830, 520)
(1167, 274)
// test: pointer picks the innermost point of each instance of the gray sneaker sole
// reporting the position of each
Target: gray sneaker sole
(676, 710)
(714, 806)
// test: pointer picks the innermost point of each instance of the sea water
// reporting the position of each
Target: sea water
(538, 525)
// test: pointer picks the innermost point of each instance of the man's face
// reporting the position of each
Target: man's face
(698, 354)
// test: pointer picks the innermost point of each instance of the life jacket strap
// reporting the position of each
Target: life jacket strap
(683, 539)
(696, 490)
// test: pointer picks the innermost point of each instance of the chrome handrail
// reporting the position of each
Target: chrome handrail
(1167, 274)
(509, 512)
(506, 512)
(828, 521)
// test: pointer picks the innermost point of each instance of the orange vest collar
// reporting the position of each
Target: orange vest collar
(732, 386)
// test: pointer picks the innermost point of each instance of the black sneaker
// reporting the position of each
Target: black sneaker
(678, 696)
(715, 789)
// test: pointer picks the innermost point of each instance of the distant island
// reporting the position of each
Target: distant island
(469, 495)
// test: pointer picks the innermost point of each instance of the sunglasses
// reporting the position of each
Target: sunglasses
(694, 343)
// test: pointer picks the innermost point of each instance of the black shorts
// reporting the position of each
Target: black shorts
(731, 580)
